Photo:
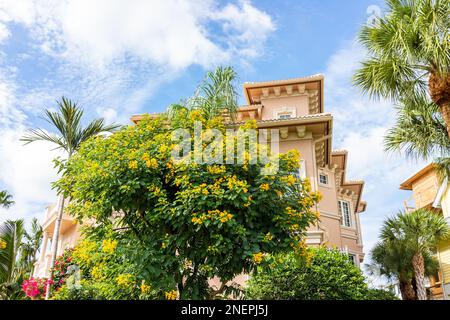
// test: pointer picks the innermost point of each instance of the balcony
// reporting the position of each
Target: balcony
(48, 225)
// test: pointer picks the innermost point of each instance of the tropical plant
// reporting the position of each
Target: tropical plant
(187, 222)
(35, 288)
(5, 199)
(11, 235)
(317, 274)
(99, 269)
(419, 231)
(70, 134)
(30, 247)
(419, 131)
(408, 44)
(215, 96)
(394, 261)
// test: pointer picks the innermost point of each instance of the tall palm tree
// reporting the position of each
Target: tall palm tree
(5, 199)
(11, 235)
(394, 261)
(70, 135)
(215, 96)
(409, 53)
(419, 231)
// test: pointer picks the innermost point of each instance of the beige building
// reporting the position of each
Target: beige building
(295, 107)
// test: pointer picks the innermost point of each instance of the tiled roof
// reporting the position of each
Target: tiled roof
(292, 80)
(309, 116)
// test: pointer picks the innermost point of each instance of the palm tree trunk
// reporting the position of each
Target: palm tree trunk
(407, 291)
(55, 242)
(439, 88)
(445, 110)
(419, 271)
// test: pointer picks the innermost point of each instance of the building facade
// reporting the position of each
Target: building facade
(295, 108)
(428, 192)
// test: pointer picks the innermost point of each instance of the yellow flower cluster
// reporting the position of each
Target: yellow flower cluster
(264, 187)
(151, 163)
(125, 280)
(97, 272)
(171, 295)
(234, 183)
(216, 169)
(133, 164)
(290, 179)
(108, 246)
(222, 216)
(258, 257)
(2, 244)
(201, 189)
(84, 252)
(200, 220)
(154, 189)
(145, 288)
(268, 237)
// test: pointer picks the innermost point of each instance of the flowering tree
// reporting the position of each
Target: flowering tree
(185, 221)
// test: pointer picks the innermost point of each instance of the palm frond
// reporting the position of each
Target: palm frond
(420, 131)
(5, 199)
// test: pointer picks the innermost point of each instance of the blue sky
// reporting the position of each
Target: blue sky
(117, 59)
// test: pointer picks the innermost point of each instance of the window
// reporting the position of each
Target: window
(344, 208)
(284, 115)
(323, 178)
(302, 170)
(352, 258)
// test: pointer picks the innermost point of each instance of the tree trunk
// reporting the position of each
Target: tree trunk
(445, 110)
(419, 271)
(439, 88)
(407, 291)
(55, 242)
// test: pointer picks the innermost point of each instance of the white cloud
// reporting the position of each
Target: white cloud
(172, 33)
(25, 172)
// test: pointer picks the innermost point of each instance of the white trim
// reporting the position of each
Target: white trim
(440, 193)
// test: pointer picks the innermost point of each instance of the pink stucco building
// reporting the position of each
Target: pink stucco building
(295, 107)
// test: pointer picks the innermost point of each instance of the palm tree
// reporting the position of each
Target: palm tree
(5, 199)
(419, 130)
(70, 135)
(215, 96)
(409, 53)
(393, 260)
(30, 247)
(11, 235)
(418, 231)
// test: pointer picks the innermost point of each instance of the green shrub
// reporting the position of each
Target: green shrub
(319, 273)
(380, 294)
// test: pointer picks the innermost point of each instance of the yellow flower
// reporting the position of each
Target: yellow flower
(97, 272)
(268, 237)
(216, 169)
(171, 295)
(258, 257)
(145, 288)
(2, 244)
(108, 246)
(133, 164)
(264, 187)
(125, 280)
